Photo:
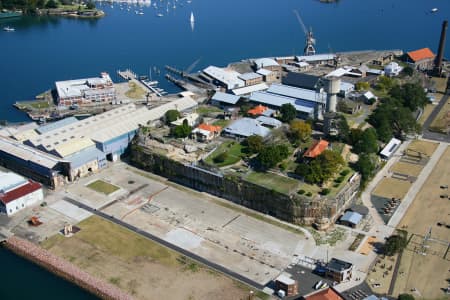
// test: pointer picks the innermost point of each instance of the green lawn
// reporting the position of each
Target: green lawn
(275, 182)
(232, 148)
(103, 187)
(221, 123)
(204, 110)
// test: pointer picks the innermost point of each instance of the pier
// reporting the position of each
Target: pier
(127, 74)
(151, 88)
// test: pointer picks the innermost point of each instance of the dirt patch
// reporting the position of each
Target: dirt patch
(427, 273)
(392, 188)
(423, 147)
(407, 169)
(139, 266)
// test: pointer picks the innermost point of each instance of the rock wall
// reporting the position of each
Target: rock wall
(291, 208)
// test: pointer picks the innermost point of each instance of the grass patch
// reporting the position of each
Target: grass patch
(330, 238)
(442, 120)
(135, 91)
(222, 123)
(281, 184)
(109, 239)
(103, 187)
(114, 280)
(206, 110)
(356, 242)
(234, 154)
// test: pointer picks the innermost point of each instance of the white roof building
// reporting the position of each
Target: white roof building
(392, 69)
(265, 62)
(250, 89)
(227, 77)
(390, 148)
(246, 127)
(77, 87)
(250, 76)
(316, 58)
(220, 97)
(274, 100)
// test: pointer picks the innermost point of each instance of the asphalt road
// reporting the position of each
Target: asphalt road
(160, 241)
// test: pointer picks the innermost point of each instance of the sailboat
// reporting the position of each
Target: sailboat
(192, 19)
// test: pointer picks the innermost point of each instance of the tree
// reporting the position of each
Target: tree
(366, 165)
(321, 168)
(51, 4)
(181, 131)
(288, 112)
(254, 143)
(272, 154)
(40, 3)
(385, 83)
(90, 5)
(300, 130)
(171, 115)
(343, 129)
(405, 297)
(362, 86)
(220, 158)
(364, 141)
(408, 71)
(412, 95)
(394, 244)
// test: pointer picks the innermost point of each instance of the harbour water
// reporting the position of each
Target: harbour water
(24, 280)
(43, 50)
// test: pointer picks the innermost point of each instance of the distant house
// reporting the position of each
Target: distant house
(316, 149)
(346, 88)
(257, 110)
(268, 76)
(205, 132)
(339, 270)
(192, 120)
(288, 285)
(245, 127)
(422, 59)
(247, 90)
(318, 59)
(269, 64)
(392, 69)
(390, 148)
(367, 96)
(251, 78)
(223, 99)
(351, 219)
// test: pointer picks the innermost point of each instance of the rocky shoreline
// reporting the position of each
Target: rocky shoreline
(64, 269)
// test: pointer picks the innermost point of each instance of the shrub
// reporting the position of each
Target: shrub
(301, 192)
(309, 194)
(339, 179)
(325, 192)
(345, 172)
(221, 157)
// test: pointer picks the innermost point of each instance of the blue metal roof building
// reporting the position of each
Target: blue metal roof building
(220, 98)
(304, 108)
(297, 93)
(351, 218)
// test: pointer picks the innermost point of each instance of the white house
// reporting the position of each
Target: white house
(16, 193)
(392, 69)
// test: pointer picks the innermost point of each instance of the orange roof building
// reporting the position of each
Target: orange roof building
(422, 58)
(316, 149)
(257, 110)
(211, 128)
(325, 294)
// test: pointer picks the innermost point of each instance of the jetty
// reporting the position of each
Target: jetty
(127, 74)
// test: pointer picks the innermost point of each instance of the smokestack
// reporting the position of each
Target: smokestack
(332, 88)
(441, 47)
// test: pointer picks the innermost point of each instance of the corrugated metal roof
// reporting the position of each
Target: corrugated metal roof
(21, 191)
(27, 153)
(247, 127)
(75, 145)
(317, 57)
(227, 77)
(26, 135)
(390, 147)
(250, 89)
(265, 62)
(9, 181)
(277, 101)
(226, 98)
(87, 155)
(297, 93)
(250, 76)
(269, 121)
(351, 217)
(264, 72)
(55, 125)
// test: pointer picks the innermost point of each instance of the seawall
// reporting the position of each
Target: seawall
(64, 269)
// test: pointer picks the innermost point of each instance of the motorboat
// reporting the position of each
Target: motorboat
(9, 29)
(160, 15)
(433, 10)
(192, 19)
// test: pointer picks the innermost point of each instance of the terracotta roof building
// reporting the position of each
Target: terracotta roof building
(257, 110)
(316, 149)
(324, 294)
(422, 59)
(206, 132)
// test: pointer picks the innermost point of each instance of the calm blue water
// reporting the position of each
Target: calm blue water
(43, 50)
(21, 279)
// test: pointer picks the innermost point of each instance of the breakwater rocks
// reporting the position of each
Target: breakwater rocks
(64, 269)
